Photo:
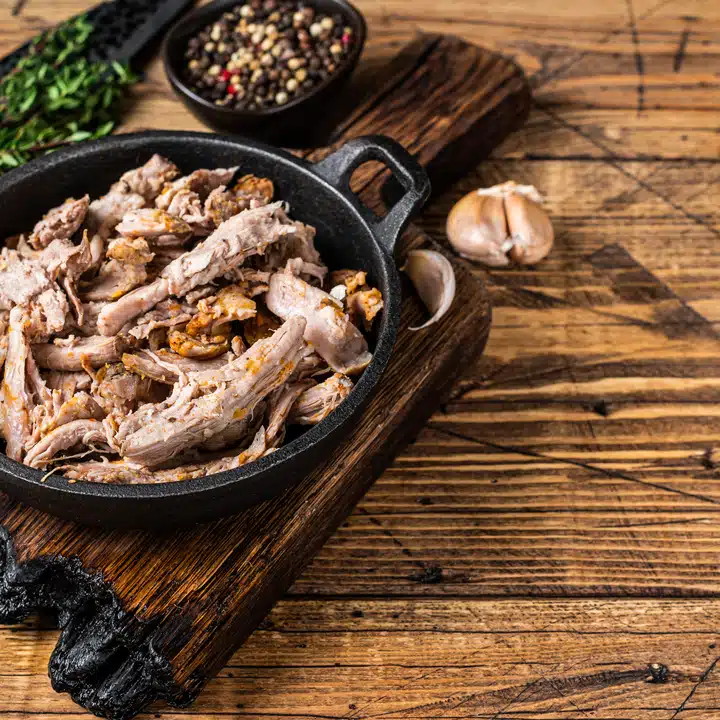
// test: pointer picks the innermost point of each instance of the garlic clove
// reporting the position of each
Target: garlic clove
(434, 279)
(477, 228)
(509, 188)
(531, 231)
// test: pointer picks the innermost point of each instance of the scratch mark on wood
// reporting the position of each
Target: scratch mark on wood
(18, 7)
(679, 57)
(576, 463)
(639, 60)
(695, 687)
(656, 523)
(390, 536)
(538, 80)
(613, 161)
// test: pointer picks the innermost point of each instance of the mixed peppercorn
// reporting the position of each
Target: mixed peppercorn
(266, 53)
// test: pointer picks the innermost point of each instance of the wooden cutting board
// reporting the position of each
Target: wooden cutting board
(147, 616)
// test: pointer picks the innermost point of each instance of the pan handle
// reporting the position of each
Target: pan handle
(338, 168)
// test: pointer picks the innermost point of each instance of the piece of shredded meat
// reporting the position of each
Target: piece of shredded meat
(318, 401)
(208, 405)
(60, 223)
(171, 329)
(329, 330)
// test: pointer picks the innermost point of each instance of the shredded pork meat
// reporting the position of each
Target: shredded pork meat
(329, 329)
(60, 223)
(172, 328)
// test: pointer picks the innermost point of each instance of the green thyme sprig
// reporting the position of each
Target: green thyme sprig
(55, 96)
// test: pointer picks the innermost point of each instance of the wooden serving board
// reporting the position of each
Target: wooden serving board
(148, 616)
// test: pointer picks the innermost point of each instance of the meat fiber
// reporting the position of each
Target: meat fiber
(77, 432)
(114, 280)
(151, 223)
(81, 406)
(78, 353)
(236, 239)
(119, 391)
(17, 403)
(130, 473)
(328, 329)
(115, 315)
(169, 367)
(106, 212)
(201, 182)
(25, 282)
(246, 234)
(166, 314)
(149, 179)
(61, 223)
(280, 404)
(228, 396)
(318, 401)
(68, 382)
(66, 262)
(300, 246)
(4, 322)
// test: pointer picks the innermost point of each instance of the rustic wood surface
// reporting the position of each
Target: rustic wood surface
(549, 546)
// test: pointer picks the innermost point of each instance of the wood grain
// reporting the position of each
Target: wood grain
(597, 371)
(462, 658)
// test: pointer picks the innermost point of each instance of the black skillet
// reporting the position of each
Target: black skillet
(349, 235)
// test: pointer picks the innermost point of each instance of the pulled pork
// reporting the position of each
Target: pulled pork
(171, 329)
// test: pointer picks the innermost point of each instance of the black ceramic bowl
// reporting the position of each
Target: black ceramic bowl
(348, 235)
(283, 124)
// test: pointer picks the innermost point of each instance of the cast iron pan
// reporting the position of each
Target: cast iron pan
(349, 235)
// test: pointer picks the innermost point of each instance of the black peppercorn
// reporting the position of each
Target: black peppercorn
(263, 53)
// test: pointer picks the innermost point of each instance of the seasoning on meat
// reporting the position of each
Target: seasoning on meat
(171, 329)
(317, 402)
(246, 234)
(76, 353)
(202, 347)
(328, 330)
(131, 250)
(16, 399)
(193, 416)
(151, 223)
(84, 432)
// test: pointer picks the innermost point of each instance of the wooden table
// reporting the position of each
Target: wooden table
(548, 548)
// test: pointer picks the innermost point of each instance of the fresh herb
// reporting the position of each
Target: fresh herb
(55, 95)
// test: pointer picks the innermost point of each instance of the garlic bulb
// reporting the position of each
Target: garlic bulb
(499, 224)
(434, 279)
